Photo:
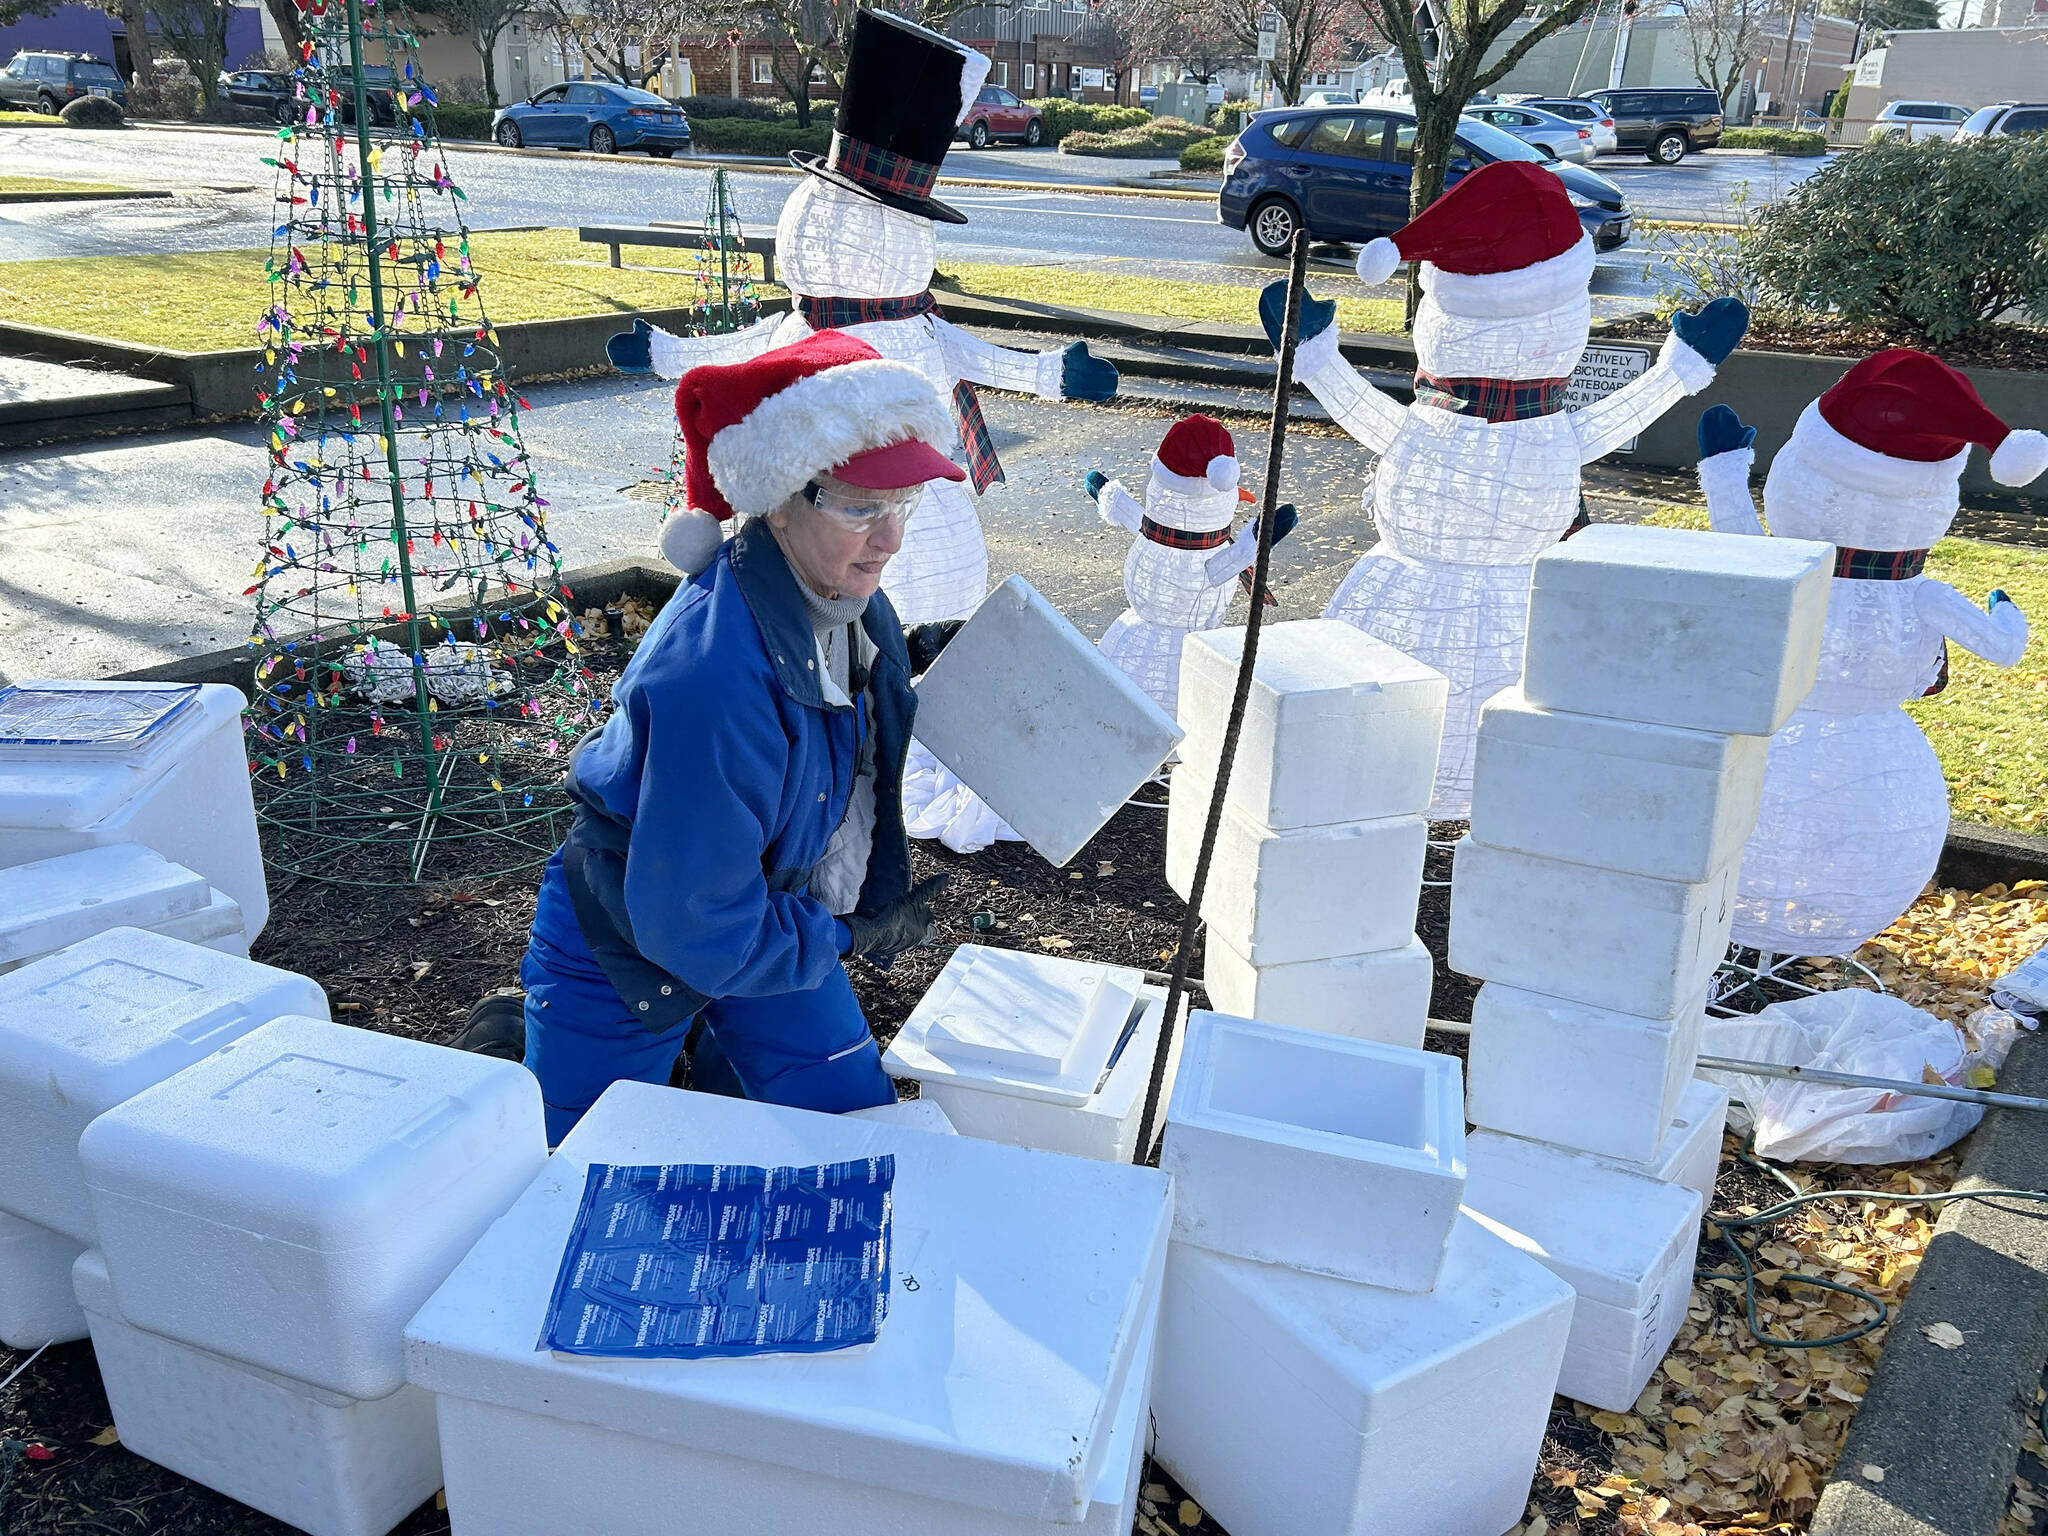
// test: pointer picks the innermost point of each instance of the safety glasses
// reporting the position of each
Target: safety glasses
(863, 511)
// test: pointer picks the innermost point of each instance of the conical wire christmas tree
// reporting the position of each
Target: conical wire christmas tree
(727, 300)
(416, 674)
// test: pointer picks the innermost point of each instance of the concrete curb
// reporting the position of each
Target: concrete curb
(1944, 1425)
(118, 195)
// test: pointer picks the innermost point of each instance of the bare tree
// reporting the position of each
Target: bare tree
(1725, 36)
(195, 31)
(1312, 36)
(1443, 46)
(1198, 37)
(605, 32)
(481, 21)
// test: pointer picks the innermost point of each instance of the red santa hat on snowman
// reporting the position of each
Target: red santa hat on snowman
(1504, 241)
(1197, 456)
(756, 433)
(1899, 414)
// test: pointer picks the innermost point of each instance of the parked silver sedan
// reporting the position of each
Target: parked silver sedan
(1589, 115)
(1546, 131)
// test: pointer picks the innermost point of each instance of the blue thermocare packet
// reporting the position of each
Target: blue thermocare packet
(692, 1260)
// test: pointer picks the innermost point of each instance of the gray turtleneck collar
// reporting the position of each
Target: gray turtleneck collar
(829, 613)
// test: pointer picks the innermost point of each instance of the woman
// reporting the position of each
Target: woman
(738, 826)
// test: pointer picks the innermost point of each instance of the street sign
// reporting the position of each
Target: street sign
(1269, 35)
(1601, 371)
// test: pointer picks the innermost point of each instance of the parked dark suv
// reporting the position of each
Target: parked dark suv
(1665, 124)
(47, 82)
(1347, 171)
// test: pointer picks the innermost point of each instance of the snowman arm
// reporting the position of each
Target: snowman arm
(1234, 558)
(1350, 398)
(1998, 636)
(1119, 508)
(1607, 423)
(675, 355)
(1725, 479)
(983, 362)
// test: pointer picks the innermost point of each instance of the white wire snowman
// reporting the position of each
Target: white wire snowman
(1855, 808)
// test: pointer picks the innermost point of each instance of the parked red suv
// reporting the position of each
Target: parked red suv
(996, 114)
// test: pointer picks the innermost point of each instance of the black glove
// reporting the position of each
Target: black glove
(904, 924)
(925, 641)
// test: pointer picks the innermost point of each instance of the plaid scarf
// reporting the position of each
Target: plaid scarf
(1879, 564)
(1183, 538)
(832, 314)
(1495, 399)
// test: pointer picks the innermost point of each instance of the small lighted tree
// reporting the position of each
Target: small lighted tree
(415, 673)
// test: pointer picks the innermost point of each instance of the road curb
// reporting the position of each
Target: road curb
(1932, 1449)
(118, 195)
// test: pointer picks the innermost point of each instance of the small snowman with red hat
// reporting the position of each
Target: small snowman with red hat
(1180, 574)
(857, 248)
(1480, 474)
(1855, 807)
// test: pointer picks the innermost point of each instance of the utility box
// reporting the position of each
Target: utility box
(1187, 101)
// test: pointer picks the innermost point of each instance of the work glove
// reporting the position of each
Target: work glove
(1722, 431)
(1083, 377)
(903, 924)
(1316, 314)
(1094, 482)
(925, 641)
(632, 351)
(1716, 330)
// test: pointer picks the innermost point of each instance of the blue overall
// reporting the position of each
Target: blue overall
(680, 896)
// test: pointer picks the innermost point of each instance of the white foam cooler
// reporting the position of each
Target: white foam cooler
(1339, 726)
(1708, 631)
(327, 1464)
(1005, 1393)
(1036, 1050)
(1038, 722)
(1289, 1404)
(36, 1304)
(1691, 1153)
(1624, 1243)
(1621, 942)
(911, 1114)
(1643, 799)
(161, 764)
(49, 903)
(291, 1200)
(1383, 995)
(87, 1028)
(1579, 1076)
(1305, 894)
(1335, 1156)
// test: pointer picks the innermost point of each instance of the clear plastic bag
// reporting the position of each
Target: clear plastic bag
(1865, 1033)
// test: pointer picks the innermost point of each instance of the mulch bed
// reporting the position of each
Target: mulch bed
(1993, 346)
(411, 960)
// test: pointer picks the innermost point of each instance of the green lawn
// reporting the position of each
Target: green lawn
(20, 184)
(28, 120)
(1990, 725)
(203, 301)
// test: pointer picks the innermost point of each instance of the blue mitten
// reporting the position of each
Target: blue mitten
(1998, 595)
(631, 351)
(1284, 520)
(1716, 330)
(1086, 378)
(1095, 482)
(1316, 314)
(1722, 431)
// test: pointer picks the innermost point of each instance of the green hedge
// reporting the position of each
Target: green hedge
(1155, 137)
(1063, 117)
(1205, 154)
(463, 120)
(1786, 141)
(1228, 119)
(745, 136)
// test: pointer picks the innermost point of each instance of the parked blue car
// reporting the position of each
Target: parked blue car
(587, 114)
(1346, 173)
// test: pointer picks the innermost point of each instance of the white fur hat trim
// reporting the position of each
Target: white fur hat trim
(790, 438)
(2021, 458)
(1525, 291)
(1377, 261)
(1221, 476)
(1830, 454)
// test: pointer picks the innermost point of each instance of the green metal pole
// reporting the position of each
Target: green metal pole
(385, 399)
(724, 276)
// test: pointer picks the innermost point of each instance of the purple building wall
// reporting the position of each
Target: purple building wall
(87, 29)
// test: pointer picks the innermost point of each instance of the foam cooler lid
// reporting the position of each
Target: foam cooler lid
(994, 1382)
(1508, 716)
(50, 903)
(72, 753)
(1033, 1025)
(1310, 660)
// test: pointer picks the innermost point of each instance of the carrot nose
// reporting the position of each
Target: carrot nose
(1245, 495)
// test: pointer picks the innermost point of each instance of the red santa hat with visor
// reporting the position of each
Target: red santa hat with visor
(756, 433)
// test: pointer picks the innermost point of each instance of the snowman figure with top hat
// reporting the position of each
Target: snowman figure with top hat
(857, 247)
(1480, 474)
(1855, 807)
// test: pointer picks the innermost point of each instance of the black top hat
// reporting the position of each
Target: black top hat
(906, 90)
